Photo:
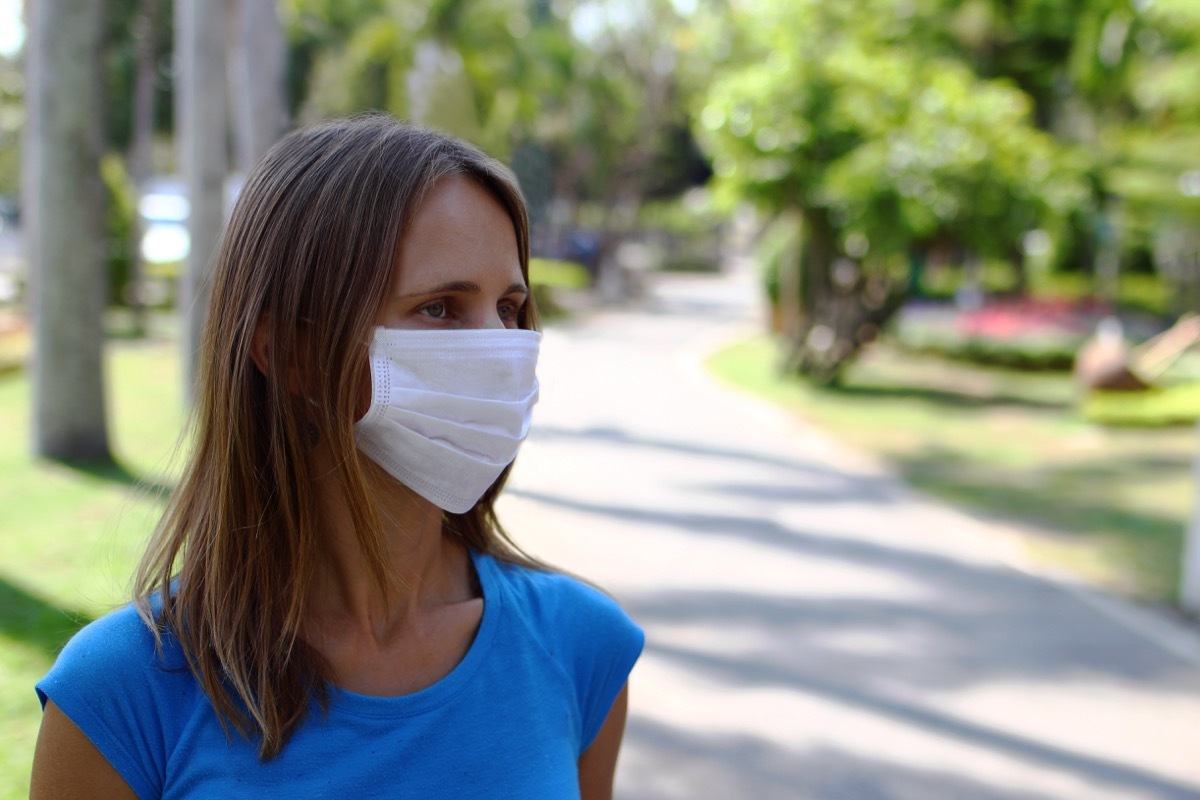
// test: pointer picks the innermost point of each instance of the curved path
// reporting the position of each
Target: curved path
(815, 629)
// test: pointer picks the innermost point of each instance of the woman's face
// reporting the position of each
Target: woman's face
(458, 266)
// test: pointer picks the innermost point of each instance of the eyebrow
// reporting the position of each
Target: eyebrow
(464, 287)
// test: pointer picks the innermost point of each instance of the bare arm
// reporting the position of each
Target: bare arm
(598, 763)
(67, 766)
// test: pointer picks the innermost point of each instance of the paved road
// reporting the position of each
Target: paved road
(815, 630)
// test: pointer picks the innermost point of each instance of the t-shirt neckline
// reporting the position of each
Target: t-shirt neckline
(345, 701)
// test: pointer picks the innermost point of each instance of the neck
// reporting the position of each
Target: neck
(427, 567)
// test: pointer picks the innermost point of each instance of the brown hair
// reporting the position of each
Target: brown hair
(308, 251)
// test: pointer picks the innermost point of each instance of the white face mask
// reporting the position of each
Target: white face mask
(449, 408)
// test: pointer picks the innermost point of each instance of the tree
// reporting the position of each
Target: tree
(64, 228)
(200, 133)
(856, 120)
(613, 120)
(247, 33)
(257, 61)
(582, 98)
(1116, 83)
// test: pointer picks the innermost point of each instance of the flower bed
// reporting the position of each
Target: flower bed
(1029, 333)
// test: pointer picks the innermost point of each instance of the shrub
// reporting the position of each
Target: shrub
(120, 227)
(1029, 333)
(1018, 336)
(548, 277)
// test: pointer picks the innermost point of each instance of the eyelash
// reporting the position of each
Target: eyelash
(435, 304)
(446, 304)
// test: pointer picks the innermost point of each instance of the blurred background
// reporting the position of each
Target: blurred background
(972, 229)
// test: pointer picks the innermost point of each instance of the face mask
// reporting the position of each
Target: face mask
(449, 408)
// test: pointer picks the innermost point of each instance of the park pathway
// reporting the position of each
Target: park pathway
(815, 629)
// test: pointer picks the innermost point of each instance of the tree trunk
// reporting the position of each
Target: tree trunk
(64, 224)
(842, 306)
(145, 75)
(141, 146)
(201, 137)
(257, 66)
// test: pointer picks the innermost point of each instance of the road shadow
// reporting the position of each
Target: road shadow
(914, 716)
(973, 488)
(1065, 499)
(32, 620)
(739, 766)
(864, 486)
(965, 621)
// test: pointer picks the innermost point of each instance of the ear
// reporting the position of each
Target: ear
(260, 349)
(260, 353)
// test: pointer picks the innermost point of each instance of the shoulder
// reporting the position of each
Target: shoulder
(553, 600)
(126, 694)
(112, 645)
(110, 656)
(585, 631)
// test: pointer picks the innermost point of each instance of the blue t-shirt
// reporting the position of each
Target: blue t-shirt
(511, 720)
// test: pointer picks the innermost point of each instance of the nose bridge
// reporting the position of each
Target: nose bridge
(485, 317)
(494, 321)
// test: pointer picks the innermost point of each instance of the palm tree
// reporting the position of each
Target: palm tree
(64, 202)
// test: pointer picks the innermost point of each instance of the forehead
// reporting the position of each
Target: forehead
(459, 226)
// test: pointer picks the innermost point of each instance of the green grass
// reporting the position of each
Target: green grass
(69, 537)
(1169, 405)
(1111, 505)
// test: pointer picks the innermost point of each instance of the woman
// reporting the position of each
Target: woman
(329, 606)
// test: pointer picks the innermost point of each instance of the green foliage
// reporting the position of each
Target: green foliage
(557, 274)
(124, 26)
(429, 60)
(589, 114)
(1147, 294)
(12, 120)
(843, 111)
(121, 227)
(777, 246)
(939, 122)
(548, 278)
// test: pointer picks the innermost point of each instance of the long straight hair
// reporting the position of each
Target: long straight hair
(308, 253)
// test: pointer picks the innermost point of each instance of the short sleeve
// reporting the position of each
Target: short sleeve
(110, 681)
(608, 644)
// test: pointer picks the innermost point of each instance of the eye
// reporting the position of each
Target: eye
(435, 310)
(509, 310)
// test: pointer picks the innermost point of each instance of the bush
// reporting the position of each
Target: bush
(1028, 333)
(558, 274)
(120, 228)
(548, 277)
(1029, 336)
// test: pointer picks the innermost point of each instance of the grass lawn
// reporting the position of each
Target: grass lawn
(1110, 504)
(69, 537)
